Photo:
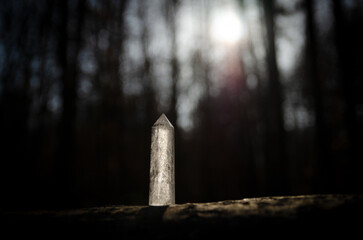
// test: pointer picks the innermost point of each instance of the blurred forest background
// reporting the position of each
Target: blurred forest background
(266, 98)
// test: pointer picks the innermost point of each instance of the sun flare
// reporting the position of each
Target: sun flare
(226, 27)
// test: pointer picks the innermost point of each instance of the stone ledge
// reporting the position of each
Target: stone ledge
(265, 216)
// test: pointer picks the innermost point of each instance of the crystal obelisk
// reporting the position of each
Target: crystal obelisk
(162, 179)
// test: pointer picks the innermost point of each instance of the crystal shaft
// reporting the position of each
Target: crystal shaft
(162, 182)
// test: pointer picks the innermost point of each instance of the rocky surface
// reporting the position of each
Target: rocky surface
(290, 216)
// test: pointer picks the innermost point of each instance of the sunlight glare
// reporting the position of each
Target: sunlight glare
(227, 27)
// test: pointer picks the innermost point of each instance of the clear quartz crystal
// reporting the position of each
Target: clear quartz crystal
(162, 180)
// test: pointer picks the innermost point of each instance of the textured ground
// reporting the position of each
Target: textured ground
(291, 216)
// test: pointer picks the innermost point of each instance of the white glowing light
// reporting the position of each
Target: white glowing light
(227, 27)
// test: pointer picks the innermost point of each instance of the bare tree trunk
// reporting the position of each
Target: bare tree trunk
(111, 122)
(346, 78)
(321, 182)
(146, 71)
(276, 157)
(14, 104)
(171, 10)
(68, 60)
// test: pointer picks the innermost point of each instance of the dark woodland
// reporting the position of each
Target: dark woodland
(277, 112)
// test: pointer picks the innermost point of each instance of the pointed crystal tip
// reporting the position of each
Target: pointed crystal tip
(163, 121)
